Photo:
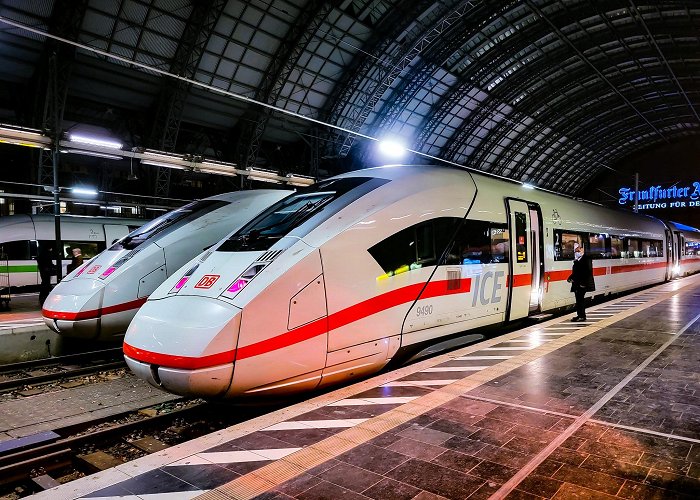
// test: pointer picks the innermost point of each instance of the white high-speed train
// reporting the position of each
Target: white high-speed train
(98, 300)
(334, 281)
(21, 237)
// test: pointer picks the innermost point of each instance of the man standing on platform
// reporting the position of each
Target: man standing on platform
(581, 280)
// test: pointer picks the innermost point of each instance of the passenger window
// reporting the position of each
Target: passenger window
(616, 247)
(692, 248)
(411, 248)
(473, 243)
(598, 246)
(15, 250)
(87, 249)
(564, 244)
(633, 250)
(499, 243)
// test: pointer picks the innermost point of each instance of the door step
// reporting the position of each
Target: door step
(541, 317)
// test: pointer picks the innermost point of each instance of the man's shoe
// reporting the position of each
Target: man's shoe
(575, 319)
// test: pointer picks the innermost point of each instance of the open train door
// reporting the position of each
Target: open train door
(526, 258)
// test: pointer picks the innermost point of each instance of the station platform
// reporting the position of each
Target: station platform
(604, 409)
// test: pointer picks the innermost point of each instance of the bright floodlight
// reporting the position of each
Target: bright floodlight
(391, 148)
(84, 191)
(94, 141)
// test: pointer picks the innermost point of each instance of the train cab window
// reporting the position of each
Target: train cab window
(616, 247)
(15, 250)
(633, 248)
(599, 246)
(564, 244)
(167, 223)
(299, 213)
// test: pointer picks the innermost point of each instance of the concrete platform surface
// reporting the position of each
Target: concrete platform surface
(604, 409)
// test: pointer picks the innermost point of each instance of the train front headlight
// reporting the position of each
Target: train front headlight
(243, 280)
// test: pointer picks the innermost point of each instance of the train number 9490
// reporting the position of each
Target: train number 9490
(424, 311)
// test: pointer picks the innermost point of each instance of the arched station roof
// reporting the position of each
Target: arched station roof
(550, 92)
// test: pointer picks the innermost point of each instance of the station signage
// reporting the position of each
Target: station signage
(658, 197)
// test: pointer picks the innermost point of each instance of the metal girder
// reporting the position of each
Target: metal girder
(418, 77)
(301, 32)
(54, 71)
(391, 28)
(171, 102)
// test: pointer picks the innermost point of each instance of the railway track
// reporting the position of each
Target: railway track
(29, 373)
(30, 464)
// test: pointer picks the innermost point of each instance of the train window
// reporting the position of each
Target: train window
(168, 222)
(473, 243)
(692, 248)
(15, 250)
(651, 248)
(633, 250)
(616, 247)
(521, 237)
(598, 246)
(88, 249)
(499, 243)
(564, 244)
(314, 204)
(417, 246)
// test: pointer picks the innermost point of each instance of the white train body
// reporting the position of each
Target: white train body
(334, 281)
(22, 235)
(99, 299)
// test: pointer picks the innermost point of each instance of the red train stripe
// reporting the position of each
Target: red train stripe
(93, 313)
(341, 318)
(319, 327)
(183, 362)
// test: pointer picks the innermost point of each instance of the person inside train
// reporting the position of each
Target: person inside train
(581, 280)
(76, 260)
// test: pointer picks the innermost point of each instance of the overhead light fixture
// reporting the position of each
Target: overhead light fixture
(153, 209)
(84, 191)
(264, 179)
(299, 180)
(217, 167)
(92, 153)
(392, 148)
(95, 141)
(162, 164)
(20, 136)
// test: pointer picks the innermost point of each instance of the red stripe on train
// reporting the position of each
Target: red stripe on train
(93, 313)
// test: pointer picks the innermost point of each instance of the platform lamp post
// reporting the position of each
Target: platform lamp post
(57, 213)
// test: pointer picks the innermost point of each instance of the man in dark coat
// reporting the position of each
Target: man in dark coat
(581, 280)
(46, 270)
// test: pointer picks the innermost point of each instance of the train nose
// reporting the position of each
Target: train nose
(185, 345)
(73, 308)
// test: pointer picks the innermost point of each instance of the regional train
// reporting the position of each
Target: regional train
(98, 300)
(21, 237)
(337, 279)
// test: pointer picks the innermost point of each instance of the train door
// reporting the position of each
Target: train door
(670, 254)
(525, 273)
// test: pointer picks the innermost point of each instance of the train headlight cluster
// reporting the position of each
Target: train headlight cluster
(243, 280)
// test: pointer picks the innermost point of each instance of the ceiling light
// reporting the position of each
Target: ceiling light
(84, 191)
(391, 148)
(95, 141)
(92, 153)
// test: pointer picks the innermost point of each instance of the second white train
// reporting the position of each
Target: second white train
(98, 300)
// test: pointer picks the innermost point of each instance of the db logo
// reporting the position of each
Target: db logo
(207, 281)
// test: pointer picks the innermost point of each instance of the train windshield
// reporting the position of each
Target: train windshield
(167, 223)
(306, 208)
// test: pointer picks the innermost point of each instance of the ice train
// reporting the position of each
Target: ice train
(98, 300)
(21, 237)
(337, 279)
